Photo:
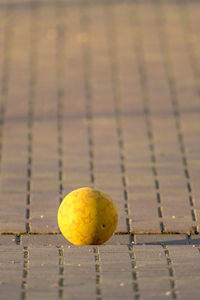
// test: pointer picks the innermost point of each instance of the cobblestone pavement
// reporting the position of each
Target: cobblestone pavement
(105, 94)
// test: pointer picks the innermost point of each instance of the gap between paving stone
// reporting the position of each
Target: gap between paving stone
(43, 233)
(116, 239)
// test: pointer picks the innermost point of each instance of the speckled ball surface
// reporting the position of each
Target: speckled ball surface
(87, 216)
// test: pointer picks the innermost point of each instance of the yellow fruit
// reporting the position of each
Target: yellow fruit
(87, 216)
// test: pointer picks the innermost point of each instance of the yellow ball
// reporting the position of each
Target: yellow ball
(87, 216)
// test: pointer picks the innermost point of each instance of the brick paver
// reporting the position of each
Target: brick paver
(105, 94)
(46, 266)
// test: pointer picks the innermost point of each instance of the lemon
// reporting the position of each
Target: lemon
(87, 216)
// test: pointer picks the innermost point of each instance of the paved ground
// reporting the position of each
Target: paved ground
(105, 94)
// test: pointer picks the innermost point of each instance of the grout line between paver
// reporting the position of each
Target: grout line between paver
(132, 238)
(24, 283)
(133, 234)
(135, 284)
(98, 273)
(164, 45)
(18, 239)
(30, 120)
(171, 272)
(188, 236)
(114, 70)
(147, 111)
(60, 58)
(61, 273)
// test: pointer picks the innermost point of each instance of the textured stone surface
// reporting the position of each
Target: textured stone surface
(47, 267)
(100, 96)
(105, 94)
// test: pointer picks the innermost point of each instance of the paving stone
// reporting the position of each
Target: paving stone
(104, 94)
(172, 239)
(90, 111)
(108, 270)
